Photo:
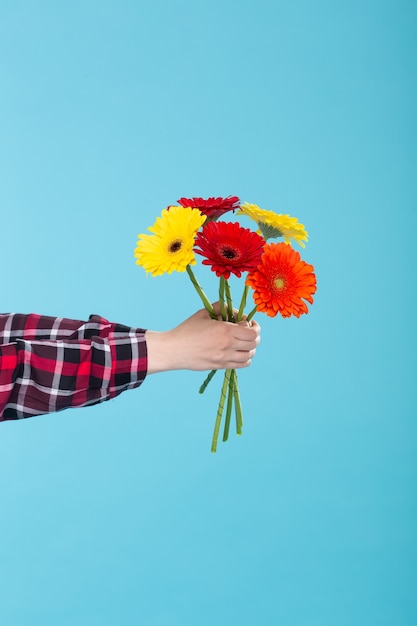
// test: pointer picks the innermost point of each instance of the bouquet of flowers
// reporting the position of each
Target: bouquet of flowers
(280, 280)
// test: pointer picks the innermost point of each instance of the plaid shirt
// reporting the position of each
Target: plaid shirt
(48, 364)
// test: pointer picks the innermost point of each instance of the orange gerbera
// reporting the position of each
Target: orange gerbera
(282, 281)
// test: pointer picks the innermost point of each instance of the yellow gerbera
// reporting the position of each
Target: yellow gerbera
(272, 225)
(170, 247)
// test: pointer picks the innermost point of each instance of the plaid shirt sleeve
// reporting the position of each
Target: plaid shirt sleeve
(48, 364)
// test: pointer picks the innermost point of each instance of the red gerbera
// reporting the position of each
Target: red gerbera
(282, 281)
(229, 248)
(212, 207)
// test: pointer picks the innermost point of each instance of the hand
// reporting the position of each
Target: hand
(201, 343)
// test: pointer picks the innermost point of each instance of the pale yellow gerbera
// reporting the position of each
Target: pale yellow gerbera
(272, 225)
(170, 247)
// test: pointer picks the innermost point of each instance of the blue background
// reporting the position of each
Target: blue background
(119, 514)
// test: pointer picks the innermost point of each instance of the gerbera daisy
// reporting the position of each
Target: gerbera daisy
(229, 248)
(170, 248)
(282, 281)
(273, 225)
(212, 207)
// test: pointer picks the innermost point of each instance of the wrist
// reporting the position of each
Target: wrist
(160, 357)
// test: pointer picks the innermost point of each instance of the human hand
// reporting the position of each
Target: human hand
(201, 343)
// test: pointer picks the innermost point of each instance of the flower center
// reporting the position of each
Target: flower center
(229, 253)
(175, 246)
(279, 283)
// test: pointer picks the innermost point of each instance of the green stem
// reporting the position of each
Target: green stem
(251, 314)
(229, 301)
(230, 396)
(201, 293)
(243, 303)
(220, 411)
(238, 407)
(206, 382)
(221, 297)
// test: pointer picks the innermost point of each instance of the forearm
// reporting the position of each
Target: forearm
(39, 377)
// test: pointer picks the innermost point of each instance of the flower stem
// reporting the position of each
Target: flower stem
(206, 382)
(229, 301)
(221, 297)
(251, 314)
(238, 407)
(223, 314)
(220, 411)
(201, 293)
(230, 396)
(243, 303)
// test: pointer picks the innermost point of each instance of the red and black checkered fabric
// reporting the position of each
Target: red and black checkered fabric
(48, 364)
